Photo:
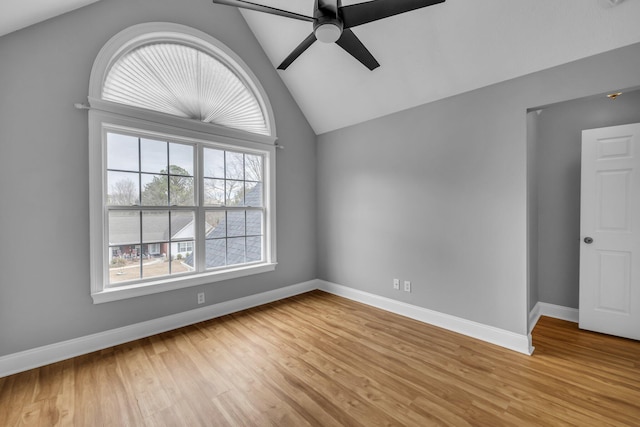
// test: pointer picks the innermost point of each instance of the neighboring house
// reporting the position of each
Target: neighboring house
(183, 248)
(124, 236)
(236, 239)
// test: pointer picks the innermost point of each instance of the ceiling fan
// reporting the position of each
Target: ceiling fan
(332, 23)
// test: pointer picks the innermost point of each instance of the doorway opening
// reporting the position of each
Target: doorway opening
(554, 139)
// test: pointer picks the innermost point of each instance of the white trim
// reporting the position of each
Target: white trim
(534, 316)
(552, 310)
(501, 337)
(224, 134)
(34, 358)
(173, 283)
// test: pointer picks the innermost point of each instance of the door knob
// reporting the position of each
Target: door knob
(588, 240)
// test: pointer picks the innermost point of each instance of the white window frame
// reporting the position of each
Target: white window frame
(108, 116)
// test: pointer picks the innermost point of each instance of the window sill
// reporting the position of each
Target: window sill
(170, 284)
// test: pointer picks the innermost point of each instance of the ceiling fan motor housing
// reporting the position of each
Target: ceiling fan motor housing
(327, 29)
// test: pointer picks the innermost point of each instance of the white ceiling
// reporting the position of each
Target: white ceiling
(425, 55)
(437, 52)
(17, 14)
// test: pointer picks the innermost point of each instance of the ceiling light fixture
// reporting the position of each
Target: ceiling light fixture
(328, 30)
(614, 95)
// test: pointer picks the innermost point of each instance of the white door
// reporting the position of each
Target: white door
(610, 231)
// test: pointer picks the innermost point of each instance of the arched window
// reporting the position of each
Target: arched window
(182, 147)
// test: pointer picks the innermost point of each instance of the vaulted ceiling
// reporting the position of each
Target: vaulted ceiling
(17, 14)
(425, 55)
(437, 52)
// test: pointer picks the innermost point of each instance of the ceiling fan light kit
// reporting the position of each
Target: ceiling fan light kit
(328, 32)
(332, 23)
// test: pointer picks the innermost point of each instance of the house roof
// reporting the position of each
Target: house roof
(124, 226)
(222, 248)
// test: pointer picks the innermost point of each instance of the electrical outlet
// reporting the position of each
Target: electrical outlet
(200, 297)
(396, 284)
(407, 286)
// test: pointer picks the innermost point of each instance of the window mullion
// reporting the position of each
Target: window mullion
(151, 208)
(141, 240)
(200, 237)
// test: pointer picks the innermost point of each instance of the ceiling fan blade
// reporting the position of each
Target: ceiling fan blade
(263, 8)
(354, 47)
(362, 13)
(311, 38)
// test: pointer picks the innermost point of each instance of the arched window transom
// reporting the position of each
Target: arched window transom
(186, 82)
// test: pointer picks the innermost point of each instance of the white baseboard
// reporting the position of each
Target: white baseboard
(501, 337)
(552, 310)
(534, 316)
(29, 359)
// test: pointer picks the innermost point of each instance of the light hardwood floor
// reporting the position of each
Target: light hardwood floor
(317, 359)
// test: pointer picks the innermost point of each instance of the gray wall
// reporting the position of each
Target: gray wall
(44, 219)
(438, 194)
(559, 146)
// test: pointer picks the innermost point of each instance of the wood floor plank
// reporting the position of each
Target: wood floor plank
(320, 360)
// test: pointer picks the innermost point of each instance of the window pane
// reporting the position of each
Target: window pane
(123, 189)
(184, 247)
(235, 251)
(235, 193)
(154, 267)
(183, 257)
(254, 223)
(189, 260)
(124, 228)
(253, 194)
(235, 224)
(122, 152)
(145, 243)
(183, 226)
(216, 225)
(216, 253)
(155, 190)
(254, 249)
(124, 263)
(155, 227)
(213, 163)
(181, 155)
(213, 192)
(152, 250)
(234, 165)
(252, 167)
(153, 156)
(181, 191)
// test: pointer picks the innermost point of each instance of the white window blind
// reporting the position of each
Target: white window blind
(183, 81)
